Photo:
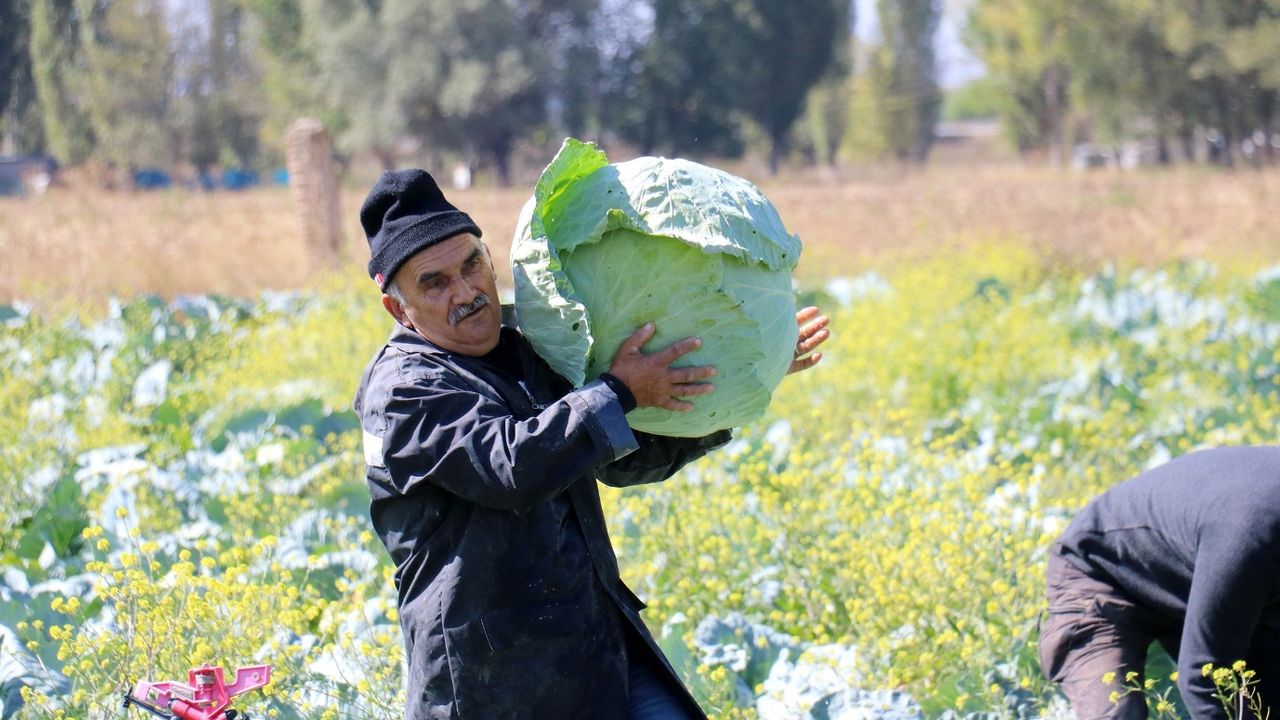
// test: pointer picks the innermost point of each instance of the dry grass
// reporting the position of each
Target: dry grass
(1076, 219)
(87, 245)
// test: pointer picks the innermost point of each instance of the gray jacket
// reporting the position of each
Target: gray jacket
(1196, 541)
(483, 476)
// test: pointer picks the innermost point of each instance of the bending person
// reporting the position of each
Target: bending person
(1187, 555)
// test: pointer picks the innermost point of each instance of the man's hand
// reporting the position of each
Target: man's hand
(652, 380)
(813, 332)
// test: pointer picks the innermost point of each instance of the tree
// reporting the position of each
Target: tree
(219, 104)
(15, 58)
(1253, 51)
(575, 36)
(126, 80)
(905, 75)
(827, 107)
(235, 102)
(1124, 77)
(465, 76)
(1133, 68)
(488, 62)
(55, 57)
(1024, 44)
(785, 48)
(19, 126)
(1231, 58)
(352, 51)
(292, 84)
(682, 95)
(708, 64)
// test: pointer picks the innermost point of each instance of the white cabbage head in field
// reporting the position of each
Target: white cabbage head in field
(603, 248)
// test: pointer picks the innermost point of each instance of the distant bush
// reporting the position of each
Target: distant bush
(977, 99)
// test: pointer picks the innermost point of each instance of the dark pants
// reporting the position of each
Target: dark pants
(650, 695)
(1094, 629)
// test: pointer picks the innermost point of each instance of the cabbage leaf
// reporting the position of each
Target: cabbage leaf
(602, 248)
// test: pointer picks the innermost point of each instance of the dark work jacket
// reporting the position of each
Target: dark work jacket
(484, 492)
(1196, 540)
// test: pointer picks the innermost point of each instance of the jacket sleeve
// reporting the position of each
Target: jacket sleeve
(658, 458)
(442, 432)
(1229, 588)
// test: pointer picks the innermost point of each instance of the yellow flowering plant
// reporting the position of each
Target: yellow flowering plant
(184, 485)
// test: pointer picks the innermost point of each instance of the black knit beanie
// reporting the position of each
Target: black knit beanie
(404, 213)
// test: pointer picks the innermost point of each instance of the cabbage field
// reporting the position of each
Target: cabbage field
(183, 483)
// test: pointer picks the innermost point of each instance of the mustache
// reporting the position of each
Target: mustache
(460, 313)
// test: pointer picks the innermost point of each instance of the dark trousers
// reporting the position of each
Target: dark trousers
(1093, 629)
(651, 695)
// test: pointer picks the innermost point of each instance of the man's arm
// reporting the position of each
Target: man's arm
(658, 458)
(1229, 588)
(444, 433)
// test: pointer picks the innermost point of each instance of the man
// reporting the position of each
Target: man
(1186, 554)
(482, 465)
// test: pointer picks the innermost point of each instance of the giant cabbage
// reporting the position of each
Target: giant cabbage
(602, 248)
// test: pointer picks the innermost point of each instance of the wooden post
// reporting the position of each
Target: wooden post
(313, 182)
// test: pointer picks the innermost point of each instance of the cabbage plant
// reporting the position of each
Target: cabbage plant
(603, 248)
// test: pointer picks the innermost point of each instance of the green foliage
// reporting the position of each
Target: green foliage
(827, 117)
(1134, 69)
(15, 58)
(905, 76)
(975, 100)
(125, 83)
(19, 107)
(685, 95)
(1235, 687)
(57, 524)
(476, 73)
(886, 521)
(129, 82)
(1023, 44)
(710, 64)
(782, 50)
(292, 84)
(484, 81)
(56, 61)
(226, 111)
(865, 136)
(463, 76)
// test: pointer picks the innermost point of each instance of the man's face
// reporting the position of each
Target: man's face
(450, 296)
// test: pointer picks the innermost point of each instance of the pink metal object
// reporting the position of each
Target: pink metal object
(205, 696)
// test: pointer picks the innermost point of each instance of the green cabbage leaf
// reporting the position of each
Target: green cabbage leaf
(601, 249)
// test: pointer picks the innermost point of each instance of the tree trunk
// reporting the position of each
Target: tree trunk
(500, 151)
(1053, 111)
(386, 158)
(1187, 136)
(1226, 122)
(1163, 156)
(924, 137)
(1267, 121)
(777, 147)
